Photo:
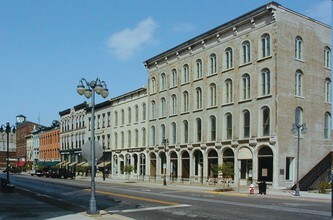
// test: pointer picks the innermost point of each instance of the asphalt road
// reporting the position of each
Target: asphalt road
(142, 202)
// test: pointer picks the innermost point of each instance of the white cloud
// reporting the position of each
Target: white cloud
(321, 11)
(127, 42)
(183, 27)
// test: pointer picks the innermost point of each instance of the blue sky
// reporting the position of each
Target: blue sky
(46, 47)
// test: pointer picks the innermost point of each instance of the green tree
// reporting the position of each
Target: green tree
(128, 169)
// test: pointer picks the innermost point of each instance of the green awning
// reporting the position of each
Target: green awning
(47, 163)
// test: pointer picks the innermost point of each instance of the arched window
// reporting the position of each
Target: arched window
(174, 77)
(298, 48)
(327, 130)
(143, 137)
(129, 115)
(212, 95)
(328, 90)
(153, 110)
(298, 83)
(228, 58)
(212, 120)
(228, 119)
(265, 82)
(129, 138)
(246, 124)
(174, 104)
(115, 140)
(228, 91)
(122, 117)
(185, 131)
(246, 52)
(198, 98)
(143, 111)
(186, 73)
(246, 86)
(327, 57)
(174, 133)
(153, 136)
(163, 82)
(136, 110)
(185, 102)
(163, 107)
(198, 129)
(153, 85)
(122, 136)
(136, 133)
(212, 59)
(265, 121)
(116, 118)
(163, 131)
(199, 68)
(265, 45)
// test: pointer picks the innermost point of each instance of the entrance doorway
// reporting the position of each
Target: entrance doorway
(245, 166)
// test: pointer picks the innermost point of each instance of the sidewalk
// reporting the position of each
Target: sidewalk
(243, 190)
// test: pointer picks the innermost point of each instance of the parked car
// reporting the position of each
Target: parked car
(12, 170)
(32, 172)
(62, 173)
(39, 173)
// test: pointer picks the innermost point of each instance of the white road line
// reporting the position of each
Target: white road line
(149, 209)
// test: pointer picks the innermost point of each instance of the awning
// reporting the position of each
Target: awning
(48, 163)
(61, 163)
(72, 164)
(85, 164)
(20, 163)
(66, 163)
(103, 164)
(80, 164)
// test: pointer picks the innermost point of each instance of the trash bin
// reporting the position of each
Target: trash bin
(262, 187)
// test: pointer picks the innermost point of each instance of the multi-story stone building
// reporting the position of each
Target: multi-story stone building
(72, 134)
(233, 94)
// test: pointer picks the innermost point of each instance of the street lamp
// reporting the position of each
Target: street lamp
(165, 142)
(298, 129)
(7, 128)
(88, 90)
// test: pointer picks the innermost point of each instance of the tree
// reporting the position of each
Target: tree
(128, 169)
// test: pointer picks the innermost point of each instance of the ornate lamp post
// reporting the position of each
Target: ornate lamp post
(7, 128)
(298, 128)
(88, 90)
(165, 142)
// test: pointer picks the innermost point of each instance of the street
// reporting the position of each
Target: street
(168, 202)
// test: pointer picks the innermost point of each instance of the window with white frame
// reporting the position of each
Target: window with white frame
(116, 140)
(246, 52)
(265, 45)
(246, 86)
(122, 136)
(136, 133)
(328, 90)
(265, 82)
(228, 120)
(143, 137)
(143, 111)
(136, 112)
(163, 131)
(129, 138)
(185, 131)
(163, 82)
(298, 83)
(174, 77)
(265, 111)
(212, 59)
(327, 126)
(186, 74)
(153, 85)
(153, 136)
(185, 102)
(228, 58)
(122, 117)
(116, 118)
(212, 120)
(212, 95)
(163, 107)
(153, 110)
(198, 130)
(174, 104)
(246, 124)
(174, 133)
(199, 68)
(228, 91)
(298, 48)
(198, 92)
(327, 57)
(129, 110)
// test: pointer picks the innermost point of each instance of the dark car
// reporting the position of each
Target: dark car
(12, 170)
(62, 173)
(39, 173)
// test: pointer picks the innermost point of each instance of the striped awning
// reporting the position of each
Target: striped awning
(72, 164)
(80, 164)
(61, 163)
(103, 164)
